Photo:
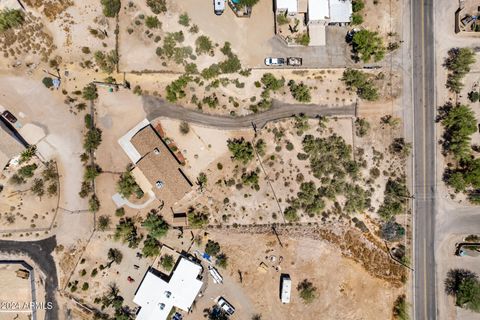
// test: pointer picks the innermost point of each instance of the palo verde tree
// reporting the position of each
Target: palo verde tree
(368, 45)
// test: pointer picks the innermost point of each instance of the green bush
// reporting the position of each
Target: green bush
(184, 20)
(156, 226)
(300, 92)
(203, 45)
(48, 82)
(212, 248)
(307, 291)
(111, 8)
(241, 150)
(367, 45)
(10, 18)
(473, 96)
(157, 6)
(90, 92)
(361, 82)
(458, 64)
(282, 19)
(152, 22)
(303, 39)
(357, 19)
(357, 5)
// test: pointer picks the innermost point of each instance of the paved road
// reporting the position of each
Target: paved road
(423, 82)
(159, 108)
(41, 253)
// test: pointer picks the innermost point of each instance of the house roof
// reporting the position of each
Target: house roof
(10, 146)
(318, 10)
(157, 297)
(291, 6)
(340, 10)
(158, 164)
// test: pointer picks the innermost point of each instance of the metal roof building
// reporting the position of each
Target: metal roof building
(156, 296)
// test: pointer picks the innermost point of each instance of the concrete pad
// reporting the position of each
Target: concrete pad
(32, 133)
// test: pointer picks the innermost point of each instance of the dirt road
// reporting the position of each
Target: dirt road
(159, 108)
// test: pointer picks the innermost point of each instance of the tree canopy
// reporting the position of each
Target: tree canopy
(368, 45)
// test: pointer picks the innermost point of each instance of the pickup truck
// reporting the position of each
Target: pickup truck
(294, 61)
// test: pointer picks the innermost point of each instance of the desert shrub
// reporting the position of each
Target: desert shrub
(167, 262)
(203, 45)
(10, 18)
(157, 6)
(361, 127)
(300, 92)
(212, 248)
(307, 291)
(367, 45)
(241, 150)
(152, 22)
(458, 64)
(361, 82)
(184, 19)
(111, 7)
(197, 219)
(156, 226)
(107, 62)
(47, 82)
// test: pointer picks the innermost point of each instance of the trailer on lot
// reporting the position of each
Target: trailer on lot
(286, 287)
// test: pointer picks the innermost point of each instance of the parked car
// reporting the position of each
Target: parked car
(9, 116)
(226, 306)
(218, 7)
(274, 61)
(294, 61)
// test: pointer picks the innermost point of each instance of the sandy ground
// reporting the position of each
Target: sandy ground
(15, 294)
(25, 209)
(349, 294)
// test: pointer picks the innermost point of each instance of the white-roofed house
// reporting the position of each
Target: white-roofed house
(288, 6)
(157, 295)
(318, 14)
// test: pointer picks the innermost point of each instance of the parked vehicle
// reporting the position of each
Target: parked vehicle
(274, 61)
(217, 278)
(294, 61)
(226, 306)
(9, 116)
(218, 7)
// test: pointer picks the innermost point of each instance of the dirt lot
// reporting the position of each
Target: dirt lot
(16, 291)
(22, 210)
(349, 294)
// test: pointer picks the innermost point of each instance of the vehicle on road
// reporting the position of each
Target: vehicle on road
(226, 306)
(9, 116)
(274, 61)
(294, 61)
(218, 7)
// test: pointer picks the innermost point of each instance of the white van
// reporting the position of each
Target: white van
(218, 6)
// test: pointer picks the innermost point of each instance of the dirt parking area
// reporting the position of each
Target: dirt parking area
(349, 294)
(15, 293)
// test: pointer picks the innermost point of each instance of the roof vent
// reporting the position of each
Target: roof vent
(159, 184)
(168, 294)
(161, 306)
(156, 151)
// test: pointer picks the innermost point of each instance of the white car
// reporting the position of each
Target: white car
(225, 306)
(218, 7)
(274, 61)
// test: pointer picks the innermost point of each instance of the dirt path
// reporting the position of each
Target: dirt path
(159, 108)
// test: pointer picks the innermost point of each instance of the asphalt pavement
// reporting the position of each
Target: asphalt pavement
(159, 108)
(423, 82)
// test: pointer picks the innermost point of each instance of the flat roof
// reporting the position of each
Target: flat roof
(158, 163)
(290, 5)
(340, 10)
(286, 289)
(318, 10)
(157, 297)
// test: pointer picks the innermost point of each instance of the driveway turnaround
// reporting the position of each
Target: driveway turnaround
(41, 253)
(159, 108)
